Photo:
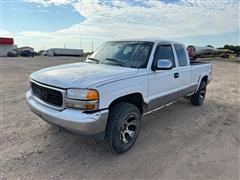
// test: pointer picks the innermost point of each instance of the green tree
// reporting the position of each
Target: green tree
(236, 49)
(210, 46)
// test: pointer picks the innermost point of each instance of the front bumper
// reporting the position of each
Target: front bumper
(70, 119)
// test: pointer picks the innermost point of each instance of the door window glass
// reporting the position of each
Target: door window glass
(164, 52)
(182, 58)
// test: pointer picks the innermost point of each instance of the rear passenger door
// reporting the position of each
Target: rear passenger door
(183, 69)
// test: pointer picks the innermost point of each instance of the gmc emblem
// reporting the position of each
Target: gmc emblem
(44, 94)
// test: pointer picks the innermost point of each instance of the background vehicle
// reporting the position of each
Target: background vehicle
(120, 82)
(225, 55)
(12, 53)
(26, 53)
(195, 52)
(64, 52)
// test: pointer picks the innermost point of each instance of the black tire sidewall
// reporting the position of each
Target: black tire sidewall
(116, 119)
(196, 99)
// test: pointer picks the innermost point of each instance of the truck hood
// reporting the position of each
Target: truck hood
(80, 75)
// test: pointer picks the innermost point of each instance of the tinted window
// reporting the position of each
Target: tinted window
(182, 58)
(133, 54)
(163, 52)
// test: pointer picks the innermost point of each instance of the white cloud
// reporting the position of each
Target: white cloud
(51, 2)
(159, 19)
(5, 33)
(118, 19)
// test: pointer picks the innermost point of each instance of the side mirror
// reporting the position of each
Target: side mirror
(163, 64)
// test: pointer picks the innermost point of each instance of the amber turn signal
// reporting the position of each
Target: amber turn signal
(92, 95)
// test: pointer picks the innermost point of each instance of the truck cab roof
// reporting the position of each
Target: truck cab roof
(154, 40)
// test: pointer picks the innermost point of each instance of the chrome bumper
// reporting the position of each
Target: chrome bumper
(70, 119)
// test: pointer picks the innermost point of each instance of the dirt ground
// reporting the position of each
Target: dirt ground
(177, 142)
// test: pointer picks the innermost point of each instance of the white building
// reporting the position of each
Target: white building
(6, 45)
(25, 48)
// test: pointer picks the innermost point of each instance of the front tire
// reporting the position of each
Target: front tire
(123, 127)
(198, 98)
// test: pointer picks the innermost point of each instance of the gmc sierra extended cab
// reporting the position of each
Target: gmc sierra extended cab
(109, 92)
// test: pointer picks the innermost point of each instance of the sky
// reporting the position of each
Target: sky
(44, 24)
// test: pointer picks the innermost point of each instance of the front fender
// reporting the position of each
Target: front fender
(110, 92)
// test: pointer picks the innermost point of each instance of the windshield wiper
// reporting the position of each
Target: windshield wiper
(117, 61)
(93, 59)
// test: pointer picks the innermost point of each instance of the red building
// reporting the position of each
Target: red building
(4, 40)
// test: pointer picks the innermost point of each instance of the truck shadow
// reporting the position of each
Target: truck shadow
(164, 134)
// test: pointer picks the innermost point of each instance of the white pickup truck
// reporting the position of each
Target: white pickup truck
(109, 92)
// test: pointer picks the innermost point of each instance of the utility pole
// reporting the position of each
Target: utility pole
(92, 47)
(80, 38)
(64, 45)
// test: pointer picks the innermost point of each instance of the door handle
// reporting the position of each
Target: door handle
(176, 75)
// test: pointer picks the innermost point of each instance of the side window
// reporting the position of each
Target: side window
(163, 52)
(182, 58)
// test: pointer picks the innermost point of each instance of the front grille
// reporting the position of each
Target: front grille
(47, 95)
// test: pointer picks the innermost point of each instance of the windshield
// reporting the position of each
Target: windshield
(133, 54)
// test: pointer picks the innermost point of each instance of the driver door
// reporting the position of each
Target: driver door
(162, 83)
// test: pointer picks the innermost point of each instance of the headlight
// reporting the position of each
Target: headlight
(82, 99)
(82, 94)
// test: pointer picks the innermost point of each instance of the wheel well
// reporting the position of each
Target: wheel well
(135, 98)
(205, 79)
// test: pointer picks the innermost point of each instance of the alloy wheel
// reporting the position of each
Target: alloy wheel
(128, 129)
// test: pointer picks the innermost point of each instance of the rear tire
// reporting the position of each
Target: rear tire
(123, 127)
(198, 98)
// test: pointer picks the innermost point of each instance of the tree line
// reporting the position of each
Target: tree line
(236, 49)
